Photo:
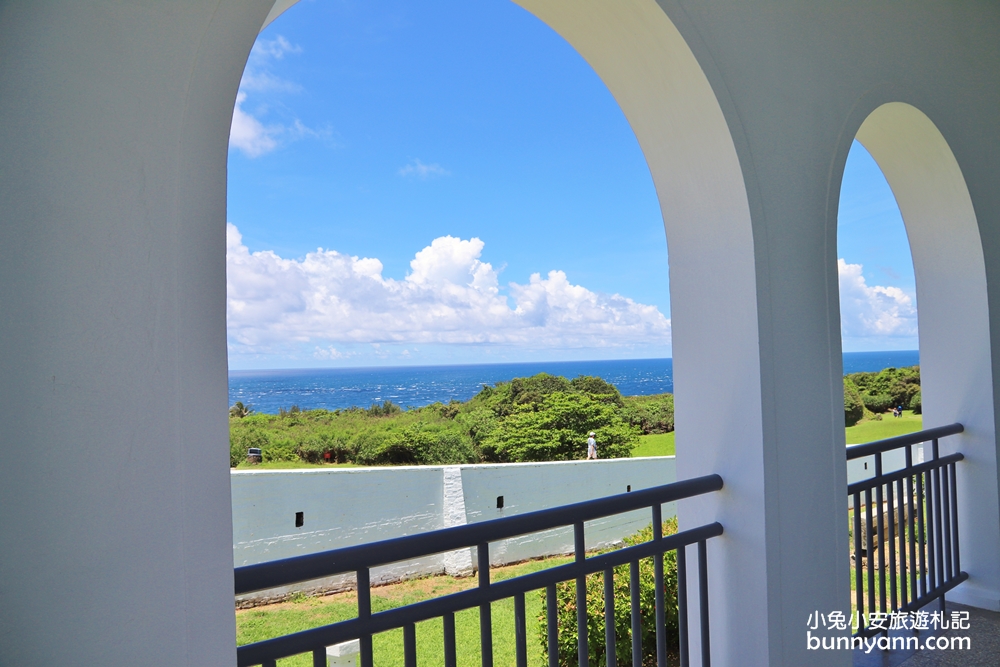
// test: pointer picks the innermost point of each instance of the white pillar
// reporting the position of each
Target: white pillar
(116, 523)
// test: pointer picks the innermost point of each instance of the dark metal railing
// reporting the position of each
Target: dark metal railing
(361, 559)
(914, 514)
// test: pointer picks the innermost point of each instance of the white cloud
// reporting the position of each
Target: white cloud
(420, 170)
(874, 311)
(266, 82)
(450, 296)
(249, 135)
(276, 49)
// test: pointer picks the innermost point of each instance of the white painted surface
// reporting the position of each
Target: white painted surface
(526, 487)
(114, 117)
(115, 533)
(341, 508)
(348, 506)
(344, 654)
(456, 563)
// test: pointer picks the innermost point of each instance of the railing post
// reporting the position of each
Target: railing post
(485, 612)
(660, 604)
(365, 613)
(580, 551)
(682, 607)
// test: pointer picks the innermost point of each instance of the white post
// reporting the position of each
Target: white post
(116, 525)
(344, 654)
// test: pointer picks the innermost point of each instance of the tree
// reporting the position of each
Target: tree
(240, 411)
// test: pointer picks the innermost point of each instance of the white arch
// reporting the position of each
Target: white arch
(953, 320)
(665, 95)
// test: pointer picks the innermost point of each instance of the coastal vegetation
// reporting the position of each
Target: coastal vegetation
(538, 418)
(870, 395)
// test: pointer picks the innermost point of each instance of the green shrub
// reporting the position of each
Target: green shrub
(242, 440)
(387, 409)
(650, 414)
(854, 407)
(280, 449)
(916, 404)
(566, 614)
(556, 430)
(888, 388)
(597, 389)
(878, 403)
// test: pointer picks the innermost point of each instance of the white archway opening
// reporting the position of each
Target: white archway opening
(651, 71)
(953, 320)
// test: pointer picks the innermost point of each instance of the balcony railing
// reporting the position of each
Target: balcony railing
(361, 559)
(913, 512)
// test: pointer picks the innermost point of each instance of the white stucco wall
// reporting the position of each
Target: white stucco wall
(348, 506)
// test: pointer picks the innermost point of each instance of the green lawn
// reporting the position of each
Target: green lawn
(662, 444)
(657, 444)
(261, 623)
(889, 426)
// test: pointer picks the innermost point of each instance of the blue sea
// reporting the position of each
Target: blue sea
(416, 386)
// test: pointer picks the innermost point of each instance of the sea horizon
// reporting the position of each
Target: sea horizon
(271, 390)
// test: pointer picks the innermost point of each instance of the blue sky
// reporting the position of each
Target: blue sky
(477, 195)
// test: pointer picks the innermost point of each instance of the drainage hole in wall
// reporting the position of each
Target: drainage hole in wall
(300, 519)
(499, 502)
(866, 466)
(628, 489)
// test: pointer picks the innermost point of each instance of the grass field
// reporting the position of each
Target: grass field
(889, 426)
(261, 623)
(657, 444)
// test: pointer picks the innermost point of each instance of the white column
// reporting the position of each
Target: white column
(116, 523)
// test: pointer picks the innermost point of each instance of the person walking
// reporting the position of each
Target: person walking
(591, 446)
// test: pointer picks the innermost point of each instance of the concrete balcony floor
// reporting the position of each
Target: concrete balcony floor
(984, 632)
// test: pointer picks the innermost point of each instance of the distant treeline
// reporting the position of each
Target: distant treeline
(869, 394)
(540, 418)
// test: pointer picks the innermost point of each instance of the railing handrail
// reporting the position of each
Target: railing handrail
(287, 571)
(888, 444)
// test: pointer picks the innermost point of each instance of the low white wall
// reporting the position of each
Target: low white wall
(864, 468)
(348, 506)
(526, 487)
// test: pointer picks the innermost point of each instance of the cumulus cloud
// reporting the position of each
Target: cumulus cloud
(450, 296)
(873, 311)
(418, 169)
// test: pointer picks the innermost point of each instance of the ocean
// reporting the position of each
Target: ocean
(416, 386)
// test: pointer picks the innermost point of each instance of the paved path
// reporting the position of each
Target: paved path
(984, 632)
